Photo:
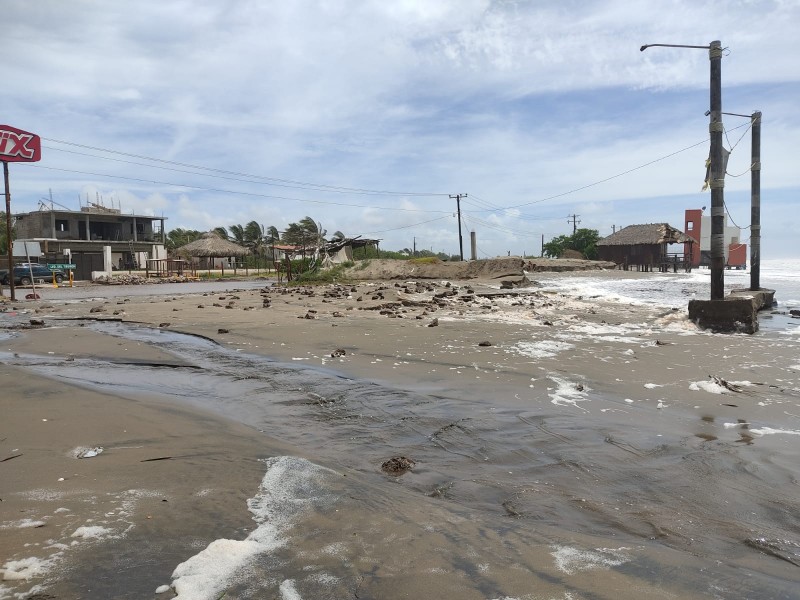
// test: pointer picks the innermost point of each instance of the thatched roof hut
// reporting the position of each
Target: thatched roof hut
(645, 246)
(212, 246)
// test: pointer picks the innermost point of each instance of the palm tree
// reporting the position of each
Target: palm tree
(180, 237)
(221, 232)
(273, 235)
(237, 235)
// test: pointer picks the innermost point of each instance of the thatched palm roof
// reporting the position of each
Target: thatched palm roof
(211, 245)
(650, 234)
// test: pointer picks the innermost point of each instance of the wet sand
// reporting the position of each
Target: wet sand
(536, 359)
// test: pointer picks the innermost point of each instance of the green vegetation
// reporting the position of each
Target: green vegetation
(3, 237)
(322, 276)
(583, 241)
(426, 260)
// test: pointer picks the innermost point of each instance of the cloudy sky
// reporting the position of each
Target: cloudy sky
(367, 115)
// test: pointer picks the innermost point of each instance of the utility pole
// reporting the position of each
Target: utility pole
(458, 206)
(717, 182)
(755, 198)
(715, 128)
(755, 204)
(414, 252)
(575, 222)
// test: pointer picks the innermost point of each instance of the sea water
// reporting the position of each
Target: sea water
(676, 289)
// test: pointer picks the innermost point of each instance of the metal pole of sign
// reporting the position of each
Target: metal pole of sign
(8, 233)
(30, 268)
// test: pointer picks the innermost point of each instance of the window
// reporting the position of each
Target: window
(690, 226)
(140, 228)
(62, 225)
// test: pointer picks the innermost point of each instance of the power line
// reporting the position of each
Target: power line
(315, 186)
(406, 226)
(595, 183)
(224, 191)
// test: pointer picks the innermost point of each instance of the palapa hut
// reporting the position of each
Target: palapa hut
(211, 246)
(645, 247)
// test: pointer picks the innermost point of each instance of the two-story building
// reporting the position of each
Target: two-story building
(80, 237)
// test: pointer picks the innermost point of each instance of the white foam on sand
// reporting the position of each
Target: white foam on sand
(567, 392)
(288, 591)
(708, 386)
(712, 387)
(290, 488)
(771, 431)
(92, 532)
(541, 349)
(22, 524)
(26, 568)
(570, 560)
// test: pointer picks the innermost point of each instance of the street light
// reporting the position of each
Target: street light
(717, 182)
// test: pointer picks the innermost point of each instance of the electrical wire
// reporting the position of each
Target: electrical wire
(241, 193)
(405, 226)
(311, 186)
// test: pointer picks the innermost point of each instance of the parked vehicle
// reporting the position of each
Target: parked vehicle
(26, 274)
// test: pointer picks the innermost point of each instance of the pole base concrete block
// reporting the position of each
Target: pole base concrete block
(734, 314)
(763, 297)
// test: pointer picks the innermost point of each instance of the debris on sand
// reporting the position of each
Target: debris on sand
(397, 465)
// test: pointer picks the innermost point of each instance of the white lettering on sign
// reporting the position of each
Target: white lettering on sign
(16, 144)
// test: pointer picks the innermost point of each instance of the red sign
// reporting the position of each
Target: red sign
(19, 146)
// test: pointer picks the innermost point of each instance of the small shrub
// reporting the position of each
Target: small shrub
(426, 260)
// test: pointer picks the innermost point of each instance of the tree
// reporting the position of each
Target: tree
(237, 235)
(293, 235)
(583, 240)
(3, 236)
(273, 235)
(221, 232)
(180, 237)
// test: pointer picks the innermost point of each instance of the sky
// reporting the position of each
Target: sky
(367, 116)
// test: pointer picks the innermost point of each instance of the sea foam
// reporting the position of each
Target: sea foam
(290, 488)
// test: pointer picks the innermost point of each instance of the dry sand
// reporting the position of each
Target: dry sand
(465, 338)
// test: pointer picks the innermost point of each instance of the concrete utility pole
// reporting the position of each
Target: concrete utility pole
(460, 238)
(717, 182)
(755, 204)
(575, 222)
(755, 198)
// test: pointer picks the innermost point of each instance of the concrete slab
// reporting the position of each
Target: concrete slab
(763, 297)
(733, 314)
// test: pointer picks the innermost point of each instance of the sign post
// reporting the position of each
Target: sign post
(15, 146)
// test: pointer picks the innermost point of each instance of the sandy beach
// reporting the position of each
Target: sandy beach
(107, 485)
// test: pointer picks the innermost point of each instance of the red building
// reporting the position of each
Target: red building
(698, 226)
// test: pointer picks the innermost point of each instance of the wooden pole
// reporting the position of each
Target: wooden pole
(755, 204)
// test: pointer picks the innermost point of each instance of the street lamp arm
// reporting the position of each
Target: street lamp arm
(646, 46)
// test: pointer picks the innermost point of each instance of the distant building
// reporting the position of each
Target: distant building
(646, 248)
(80, 237)
(698, 227)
